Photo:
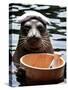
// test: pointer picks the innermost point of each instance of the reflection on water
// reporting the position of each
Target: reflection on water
(57, 29)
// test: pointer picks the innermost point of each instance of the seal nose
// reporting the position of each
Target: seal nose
(33, 39)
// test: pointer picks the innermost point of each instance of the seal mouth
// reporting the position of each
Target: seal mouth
(34, 45)
(34, 42)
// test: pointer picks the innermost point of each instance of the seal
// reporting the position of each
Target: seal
(33, 37)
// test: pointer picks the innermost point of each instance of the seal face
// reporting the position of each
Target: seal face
(33, 38)
(32, 34)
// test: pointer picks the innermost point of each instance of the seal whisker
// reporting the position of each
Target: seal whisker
(20, 44)
(45, 36)
(22, 38)
(45, 43)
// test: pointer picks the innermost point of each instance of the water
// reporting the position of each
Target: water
(57, 29)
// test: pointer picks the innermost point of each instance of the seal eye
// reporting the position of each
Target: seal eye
(41, 28)
(26, 29)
